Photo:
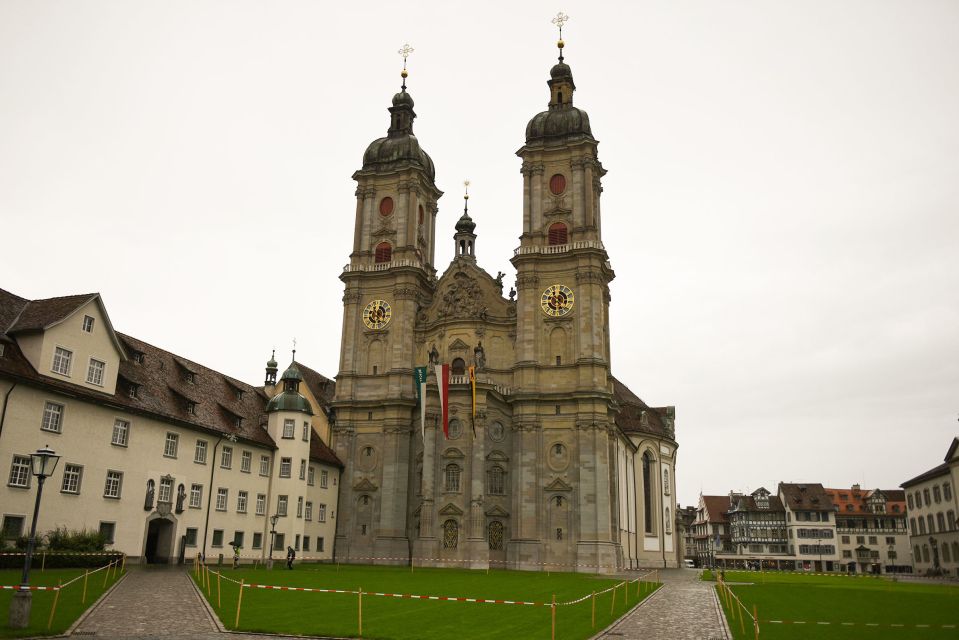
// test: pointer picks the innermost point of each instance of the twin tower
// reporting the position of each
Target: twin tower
(545, 468)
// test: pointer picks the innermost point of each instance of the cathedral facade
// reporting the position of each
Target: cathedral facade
(552, 464)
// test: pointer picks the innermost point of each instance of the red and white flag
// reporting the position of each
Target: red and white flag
(443, 384)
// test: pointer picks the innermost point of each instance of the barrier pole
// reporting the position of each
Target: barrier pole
(43, 562)
(552, 616)
(53, 609)
(239, 603)
(123, 566)
(639, 582)
(208, 591)
(742, 623)
(106, 574)
(360, 610)
(86, 574)
(613, 603)
(756, 622)
(219, 603)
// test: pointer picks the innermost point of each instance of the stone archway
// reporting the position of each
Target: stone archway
(158, 546)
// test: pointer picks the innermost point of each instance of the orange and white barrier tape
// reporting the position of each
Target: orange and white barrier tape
(865, 624)
(20, 587)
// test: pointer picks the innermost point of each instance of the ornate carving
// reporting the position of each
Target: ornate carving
(385, 229)
(462, 299)
(351, 296)
(591, 275)
(406, 293)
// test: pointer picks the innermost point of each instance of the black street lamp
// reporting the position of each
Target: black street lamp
(42, 464)
(273, 520)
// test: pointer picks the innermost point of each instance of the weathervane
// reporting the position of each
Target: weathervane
(405, 52)
(294, 348)
(560, 19)
(466, 195)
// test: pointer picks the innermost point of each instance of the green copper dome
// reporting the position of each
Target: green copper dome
(292, 373)
(400, 148)
(465, 223)
(289, 401)
(561, 121)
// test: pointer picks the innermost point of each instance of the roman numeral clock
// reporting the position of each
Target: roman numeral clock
(557, 300)
(377, 314)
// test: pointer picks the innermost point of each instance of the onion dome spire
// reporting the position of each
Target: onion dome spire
(399, 148)
(271, 368)
(464, 237)
(562, 119)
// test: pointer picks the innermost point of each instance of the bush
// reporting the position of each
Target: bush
(61, 539)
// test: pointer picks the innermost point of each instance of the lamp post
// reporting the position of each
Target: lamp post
(42, 465)
(273, 520)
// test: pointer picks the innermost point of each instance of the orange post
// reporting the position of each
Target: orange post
(360, 610)
(239, 602)
(123, 564)
(594, 609)
(43, 562)
(613, 602)
(218, 602)
(756, 622)
(86, 574)
(742, 623)
(53, 609)
(106, 574)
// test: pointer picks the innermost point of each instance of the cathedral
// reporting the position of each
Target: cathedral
(548, 462)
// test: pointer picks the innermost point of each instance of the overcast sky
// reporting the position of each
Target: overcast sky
(780, 209)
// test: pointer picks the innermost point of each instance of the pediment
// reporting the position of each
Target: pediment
(364, 485)
(451, 510)
(453, 452)
(466, 292)
(558, 485)
(497, 512)
(497, 456)
(459, 345)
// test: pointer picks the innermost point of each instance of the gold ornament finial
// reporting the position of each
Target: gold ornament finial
(560, 19)
(405, 52)
(466, 189)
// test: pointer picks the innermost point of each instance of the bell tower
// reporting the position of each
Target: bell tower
(390, 274)
(562, 343)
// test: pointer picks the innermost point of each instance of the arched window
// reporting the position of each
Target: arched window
(945, 553)
(932, 523)
(458, 367)
(925, 553)
(452, 477)
(947, 491)
(951, 520)
(496, 481)
(494, 533)
(917, 554)
(955, 550)
(451, 534)
(941, 521)
(557, 233)
(455, 429)
(384, 252)
(647, 493)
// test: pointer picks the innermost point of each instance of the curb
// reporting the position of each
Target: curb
(96, 605)
(720, 614)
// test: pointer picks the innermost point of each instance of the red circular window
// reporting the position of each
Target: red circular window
(386, 206)
(557, 184)
(421, 215)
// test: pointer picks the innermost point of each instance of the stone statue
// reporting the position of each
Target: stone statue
(434, 356)
(180, 497)
(479, 356)
(512, 294)
(148, 501)
(499, 280)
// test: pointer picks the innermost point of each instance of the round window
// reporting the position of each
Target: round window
(557, 184)
(456, 429)
(386, 206)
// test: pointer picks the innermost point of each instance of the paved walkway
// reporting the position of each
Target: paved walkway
(683, 609)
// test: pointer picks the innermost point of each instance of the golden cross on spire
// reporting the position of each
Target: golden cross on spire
(560, 19)
(466, 189)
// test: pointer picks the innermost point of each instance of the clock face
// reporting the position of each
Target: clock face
(557, 300)
(377, 314)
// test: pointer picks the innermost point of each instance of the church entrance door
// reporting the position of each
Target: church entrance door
(159, 542)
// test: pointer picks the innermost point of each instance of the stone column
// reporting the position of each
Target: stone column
(527, 200)
(368, 195)
(578, 199)
(426, 545)
(525, 549)
(477, 546)
(344, 444)
(536, 219)
(358, 226)
(391, 541)
(402, 214)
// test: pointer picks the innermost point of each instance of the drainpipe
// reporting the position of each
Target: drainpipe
(209, 495)
(6, 399)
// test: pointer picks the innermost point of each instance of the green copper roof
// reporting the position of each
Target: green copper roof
(289, 401)
(292, 373)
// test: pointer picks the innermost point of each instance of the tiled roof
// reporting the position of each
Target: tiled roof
(852, 501)
(320, 386)
(717, 506)
(634, 415)
(935, 472)
(748, 503)
(319, 451)
(10, 307)
(805, 497)
(39, 314)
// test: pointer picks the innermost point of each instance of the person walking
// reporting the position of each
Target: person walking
(290, 557)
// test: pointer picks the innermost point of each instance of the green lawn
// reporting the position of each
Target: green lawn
(69, 605)
(310, 613)
(843, 599)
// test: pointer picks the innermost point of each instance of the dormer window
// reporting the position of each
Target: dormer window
(88, 324)
(61, 361)
(239, 395)
(237, 422)
(138, 357)
(134, 390)
(191, 407)
(190, 377)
